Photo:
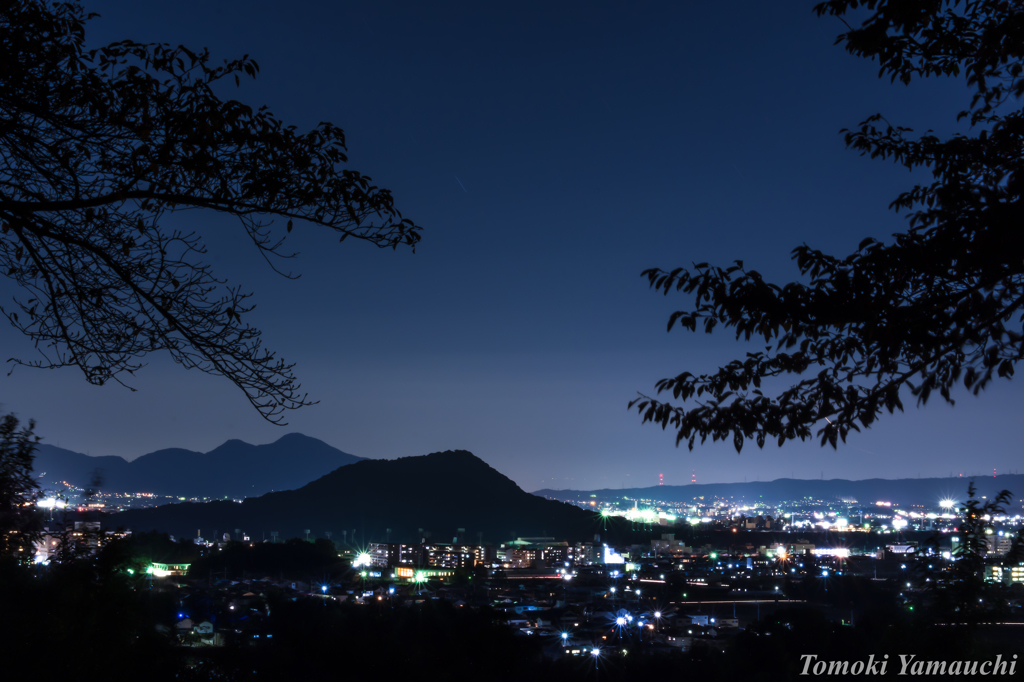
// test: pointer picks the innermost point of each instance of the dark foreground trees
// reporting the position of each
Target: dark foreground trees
(79, 621)
(294, 557)
(940, 305)
(963, 594)
(99, 148)
(19, 519)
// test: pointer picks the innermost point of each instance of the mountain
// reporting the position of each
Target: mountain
(438, 493)
(234, 469)
(903, 491)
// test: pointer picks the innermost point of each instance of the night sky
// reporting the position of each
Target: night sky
(551, 155)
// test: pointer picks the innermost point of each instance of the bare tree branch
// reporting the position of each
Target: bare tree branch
(96, 147)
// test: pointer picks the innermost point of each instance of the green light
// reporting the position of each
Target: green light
(131, 571)
(714, 555)
(604, 512)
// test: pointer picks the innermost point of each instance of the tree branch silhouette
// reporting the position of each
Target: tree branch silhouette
(98, 147)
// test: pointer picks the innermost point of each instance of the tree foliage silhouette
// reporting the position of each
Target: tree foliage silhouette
(961, 593)
(20, 523)
(940, 305)
(98, 148)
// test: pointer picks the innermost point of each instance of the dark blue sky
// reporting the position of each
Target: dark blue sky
(551, 155)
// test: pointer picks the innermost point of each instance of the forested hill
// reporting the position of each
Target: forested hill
(401, 500)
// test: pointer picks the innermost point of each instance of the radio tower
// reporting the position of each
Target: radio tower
(693, 477)
(661, 479)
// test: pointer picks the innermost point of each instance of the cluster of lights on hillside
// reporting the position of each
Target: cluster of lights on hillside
(845, 515)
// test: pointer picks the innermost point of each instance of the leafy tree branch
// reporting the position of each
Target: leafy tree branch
(940, 305)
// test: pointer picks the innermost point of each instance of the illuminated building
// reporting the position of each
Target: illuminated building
(419, 575)
(999, 543)
(535, 552)
(162, 570)
(585, 553)
(517, 557)
(434, 555)
(450, 556)
(1007, 576)
(383, 554)
(669, 545)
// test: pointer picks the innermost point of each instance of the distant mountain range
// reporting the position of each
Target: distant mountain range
(401, 500)
(903, 491)
(234, 469)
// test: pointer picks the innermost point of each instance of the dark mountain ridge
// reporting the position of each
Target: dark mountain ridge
(903, 491)
(234, 469)
(375, 500)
